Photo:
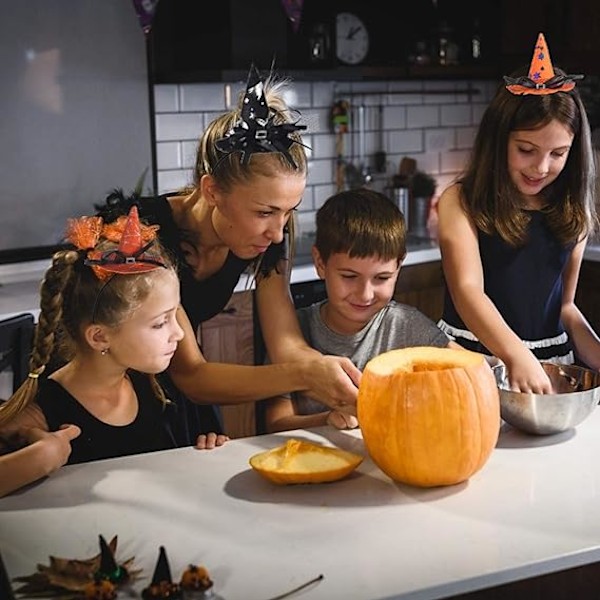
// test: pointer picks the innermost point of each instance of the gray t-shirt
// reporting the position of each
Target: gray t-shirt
(395, 326)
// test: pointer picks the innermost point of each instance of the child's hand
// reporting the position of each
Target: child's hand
(527, 375)
(341, 420)
(57, 444)
(208, 441)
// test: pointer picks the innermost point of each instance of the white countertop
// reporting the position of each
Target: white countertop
(534, 508)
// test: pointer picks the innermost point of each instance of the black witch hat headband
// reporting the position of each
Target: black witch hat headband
(255, 130)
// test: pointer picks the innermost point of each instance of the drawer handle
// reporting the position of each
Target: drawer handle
(229, 311)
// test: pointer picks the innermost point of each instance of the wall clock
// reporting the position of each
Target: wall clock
(352, 38)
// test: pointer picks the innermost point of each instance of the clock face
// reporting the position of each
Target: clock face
(352, 38)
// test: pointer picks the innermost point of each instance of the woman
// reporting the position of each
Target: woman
(249, 178)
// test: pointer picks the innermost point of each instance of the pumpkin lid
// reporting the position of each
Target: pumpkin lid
(303, 462)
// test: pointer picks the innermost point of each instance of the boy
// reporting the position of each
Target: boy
(359, 247)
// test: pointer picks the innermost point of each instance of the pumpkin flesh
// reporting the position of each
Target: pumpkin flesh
(429, 416)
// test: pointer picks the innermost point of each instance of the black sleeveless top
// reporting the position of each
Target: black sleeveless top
(525, 284)
(148, 432)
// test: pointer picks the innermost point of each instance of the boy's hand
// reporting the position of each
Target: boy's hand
(208, 441)
(341, 420)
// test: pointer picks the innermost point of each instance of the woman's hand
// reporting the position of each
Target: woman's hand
(208, 441)
(341, 420)
(334, 381)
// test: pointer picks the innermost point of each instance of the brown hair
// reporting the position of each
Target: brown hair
(488, 194)
(72, 297)
(362, 223)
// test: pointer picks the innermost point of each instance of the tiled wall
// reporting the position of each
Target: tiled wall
(433, 122)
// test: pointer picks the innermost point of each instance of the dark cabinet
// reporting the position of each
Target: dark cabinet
(571, 29)
(422, 286)
(587, 297)
(218, 41)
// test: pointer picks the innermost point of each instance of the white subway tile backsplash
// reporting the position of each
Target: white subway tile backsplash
(394, 117)
(439, 140)
(437, 129)
(181, 126)
(168, 155)
(169, 181)
(406, 141)
(166, 98)
(323, 146)
(455, 115)
(454, 161)
(320, 171)
(188, 154)
(422, 116)
(203, 97)
(465, 136)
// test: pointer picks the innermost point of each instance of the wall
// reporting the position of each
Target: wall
(74, 114)
(431, 121)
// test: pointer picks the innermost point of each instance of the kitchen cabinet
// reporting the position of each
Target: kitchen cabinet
(191, 41)
(229, 337)
(571, 29)
(587, 297)
(422, 286)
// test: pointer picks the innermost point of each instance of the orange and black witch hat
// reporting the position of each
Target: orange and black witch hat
(541, 79)
(123, 247)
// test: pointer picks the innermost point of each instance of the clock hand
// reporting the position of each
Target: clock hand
(352, 32)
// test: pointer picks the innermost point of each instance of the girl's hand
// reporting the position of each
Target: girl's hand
(57, 444)
(525, 374)
(341, 420)
(208, 441)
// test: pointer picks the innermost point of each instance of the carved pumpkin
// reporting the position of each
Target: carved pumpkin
(429, 416)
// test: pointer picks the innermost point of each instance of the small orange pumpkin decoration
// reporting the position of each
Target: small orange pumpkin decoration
(429, 416)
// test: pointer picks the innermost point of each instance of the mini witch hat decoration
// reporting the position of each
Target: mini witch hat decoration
(162, 585)
(541, 79)
(109, 569)
(132, 254)
(256, 130)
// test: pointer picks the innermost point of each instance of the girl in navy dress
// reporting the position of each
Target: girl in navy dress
(513, 229)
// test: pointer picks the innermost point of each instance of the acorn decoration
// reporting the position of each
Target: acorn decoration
(196, 583)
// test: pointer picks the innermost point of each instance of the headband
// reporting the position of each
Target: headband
(255, 130)
(122, 247)
(541, 79)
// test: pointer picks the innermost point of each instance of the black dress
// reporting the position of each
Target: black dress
(151, 430)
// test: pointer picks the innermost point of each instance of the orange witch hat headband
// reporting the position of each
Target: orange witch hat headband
(541, 79)
(122, 247)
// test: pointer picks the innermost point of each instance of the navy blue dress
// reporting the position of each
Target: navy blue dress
(525, 284)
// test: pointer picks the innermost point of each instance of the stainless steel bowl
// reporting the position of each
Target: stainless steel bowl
(576, 395)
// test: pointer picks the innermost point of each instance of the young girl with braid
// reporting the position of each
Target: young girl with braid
(110, 304)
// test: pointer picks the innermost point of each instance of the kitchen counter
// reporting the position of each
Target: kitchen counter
(533, 509)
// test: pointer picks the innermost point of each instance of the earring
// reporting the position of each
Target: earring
(104, 351)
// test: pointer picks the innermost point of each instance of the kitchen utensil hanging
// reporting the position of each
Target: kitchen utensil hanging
(340, 121)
